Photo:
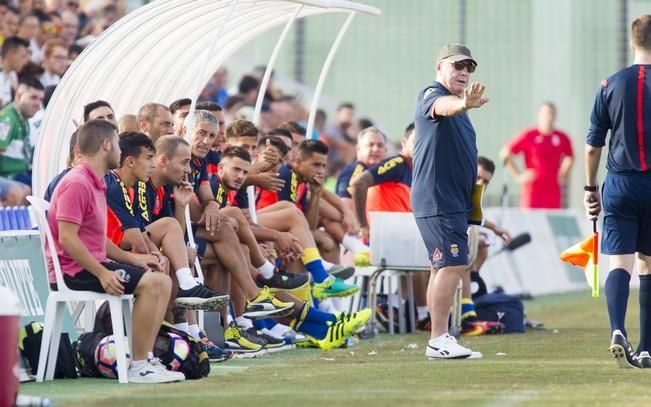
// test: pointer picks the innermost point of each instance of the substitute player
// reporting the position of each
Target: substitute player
(623, 106)
(445, 171)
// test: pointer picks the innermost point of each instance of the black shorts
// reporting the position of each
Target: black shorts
(85, 281)
(446, 239)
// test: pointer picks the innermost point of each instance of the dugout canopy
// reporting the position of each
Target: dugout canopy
(163, 51)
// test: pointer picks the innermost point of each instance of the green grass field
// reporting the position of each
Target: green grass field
(566, 364)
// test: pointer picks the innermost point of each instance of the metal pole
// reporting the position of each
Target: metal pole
(299, 52)
(622, 56)
(250, 191)
(324, 73)
(462, 21)
(271, 64)
(196, 89)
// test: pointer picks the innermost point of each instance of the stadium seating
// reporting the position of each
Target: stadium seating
(120, 307)
(15, 218)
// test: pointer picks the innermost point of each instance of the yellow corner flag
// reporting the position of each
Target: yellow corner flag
(586, 255)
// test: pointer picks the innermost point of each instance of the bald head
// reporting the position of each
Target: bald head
(155, 120)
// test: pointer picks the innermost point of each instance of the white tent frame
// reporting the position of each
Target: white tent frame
(147, 57)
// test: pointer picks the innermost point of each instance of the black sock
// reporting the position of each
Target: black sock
(645, 313)
(617, 288)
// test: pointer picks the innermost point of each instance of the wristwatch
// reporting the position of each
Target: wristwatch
(590, 188)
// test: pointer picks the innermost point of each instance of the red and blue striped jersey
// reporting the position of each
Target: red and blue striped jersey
(623, 106)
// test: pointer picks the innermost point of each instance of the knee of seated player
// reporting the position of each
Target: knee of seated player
(323, 240)
(235, 213)
(170, 225)
(155, 283)
(229, 220)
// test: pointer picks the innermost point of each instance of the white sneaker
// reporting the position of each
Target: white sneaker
(145, 373)
(177, 376)
(446, 347)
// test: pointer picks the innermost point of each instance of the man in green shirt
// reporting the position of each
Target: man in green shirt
(15, 149)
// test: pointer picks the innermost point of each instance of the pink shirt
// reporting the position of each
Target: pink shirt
(79, 198)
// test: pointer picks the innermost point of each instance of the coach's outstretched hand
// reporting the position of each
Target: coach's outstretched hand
(473, 96)
(592, 203)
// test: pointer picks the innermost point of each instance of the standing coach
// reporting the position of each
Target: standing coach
(445, 171)
(623, 106)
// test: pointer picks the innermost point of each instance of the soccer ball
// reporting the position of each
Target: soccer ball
(172, 350)
(105, 357)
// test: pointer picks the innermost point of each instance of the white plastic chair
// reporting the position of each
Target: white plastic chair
(120, 307)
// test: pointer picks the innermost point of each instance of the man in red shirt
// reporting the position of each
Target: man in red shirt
(548, 158)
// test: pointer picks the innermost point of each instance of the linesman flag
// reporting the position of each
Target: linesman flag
(586, 254)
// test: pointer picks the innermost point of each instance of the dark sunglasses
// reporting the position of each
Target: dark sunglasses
(459, 65)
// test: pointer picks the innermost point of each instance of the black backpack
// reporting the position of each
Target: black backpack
(103, 324)
(30, 347)
(195, 366)
(504, 308)
(84, 348)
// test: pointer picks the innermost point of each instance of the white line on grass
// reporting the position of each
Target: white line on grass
(514, 399)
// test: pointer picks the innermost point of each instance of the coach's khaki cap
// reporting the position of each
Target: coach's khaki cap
(454, 53)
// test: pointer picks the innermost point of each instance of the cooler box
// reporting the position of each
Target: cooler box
(396, 239)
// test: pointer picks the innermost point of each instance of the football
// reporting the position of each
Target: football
(105, 357)
(172, 350)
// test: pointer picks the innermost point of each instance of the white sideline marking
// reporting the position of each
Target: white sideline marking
(513, 399)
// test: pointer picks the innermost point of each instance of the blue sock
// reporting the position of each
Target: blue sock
(261, 324)
(231, 310)
(315, 330)
(312, 261)
(271, 323)
(617, 288)
(319, 317)
(645, 313)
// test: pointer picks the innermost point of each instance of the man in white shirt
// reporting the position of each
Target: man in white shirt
(14, 57)
(55, 61)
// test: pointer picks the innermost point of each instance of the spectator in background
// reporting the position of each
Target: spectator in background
(4, 4)
(14, 57)
(46, 31)
(27, 26)
(220, 79)
(343, 120)
(248, 89)
(73, 52)
(55, 61)
(548, 158)
(9, 23)
(39, 5)
(342, 147)
(232, 106)
(320, 120)
(69, 27)
(31, 70)
(15, 150)
(25, 6)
